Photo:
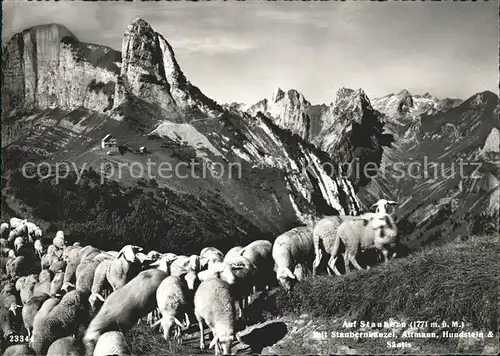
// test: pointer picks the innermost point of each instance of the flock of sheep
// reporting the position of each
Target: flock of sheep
(79, 300)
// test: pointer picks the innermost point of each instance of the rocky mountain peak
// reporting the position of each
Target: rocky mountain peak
(151, 73)
(277, 95)
(350, 100)
(288, 110)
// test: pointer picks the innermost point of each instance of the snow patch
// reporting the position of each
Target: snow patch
(187, 133)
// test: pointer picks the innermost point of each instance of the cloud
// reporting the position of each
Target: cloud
(211, 45)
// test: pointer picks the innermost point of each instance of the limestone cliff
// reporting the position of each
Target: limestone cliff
(288, 110)
(47, 67)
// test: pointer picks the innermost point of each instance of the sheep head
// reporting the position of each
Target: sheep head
(172, 328)
(154, 255)
(18, 243)
(163, 264)
(129, 253)
(381, 205)
(223, 343)
(192, 280)
(194, 262)
(286, 278)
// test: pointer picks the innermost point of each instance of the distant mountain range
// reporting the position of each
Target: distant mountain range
(60, 97)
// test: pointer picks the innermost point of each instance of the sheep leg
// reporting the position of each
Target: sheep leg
(29, 332)
(213, 342)
(240, 305)
(202, 339)
(355, 263)
(346, 263)
(317, 259)
(188, 322)
(331, 265)
(385, 253)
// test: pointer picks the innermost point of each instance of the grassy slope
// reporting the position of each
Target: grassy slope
(457, 281)
(454, 282)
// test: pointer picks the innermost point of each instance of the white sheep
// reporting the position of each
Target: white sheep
(33, 231)
(289, 249)
(239, 273)
(259, 252)
(30, 309)
(19, 350)
(52, 249)
(114, 272)
(209, 256)
(163, 263)
(56, 284)
(233, 252)
(324, 239)
(111, 343)
(28, 288)
(59, 241)
(20, 231)
(42, 314)
(85, 278)
(3, 242)
(57, 265)
(63, 320)
(15, 222)
(66, 346)
(377, 231)
(192, 280)
(44, 282)
(103, 256)
(125, 306)
(7, 252)
(100, 283)
(38, 246)
(7, 324)
(75, 257)
(154, 255)
(214, 305)
(4, 230)
(9, 300)
(124, 267)
(187, 262)
(172, 298)
(19, 242)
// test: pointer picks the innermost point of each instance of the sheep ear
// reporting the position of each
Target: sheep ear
(392, 202)
(204, 263)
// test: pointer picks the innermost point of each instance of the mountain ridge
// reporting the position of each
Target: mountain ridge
(283, 181)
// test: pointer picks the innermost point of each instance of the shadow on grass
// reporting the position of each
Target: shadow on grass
(264, 336)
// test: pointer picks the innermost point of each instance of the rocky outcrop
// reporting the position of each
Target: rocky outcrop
(492, 143)
(353, 133)
(405, 107)
(348, 130)
(288, 110)
(47, 67)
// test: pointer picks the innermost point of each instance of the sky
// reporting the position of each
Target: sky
(241, 51)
